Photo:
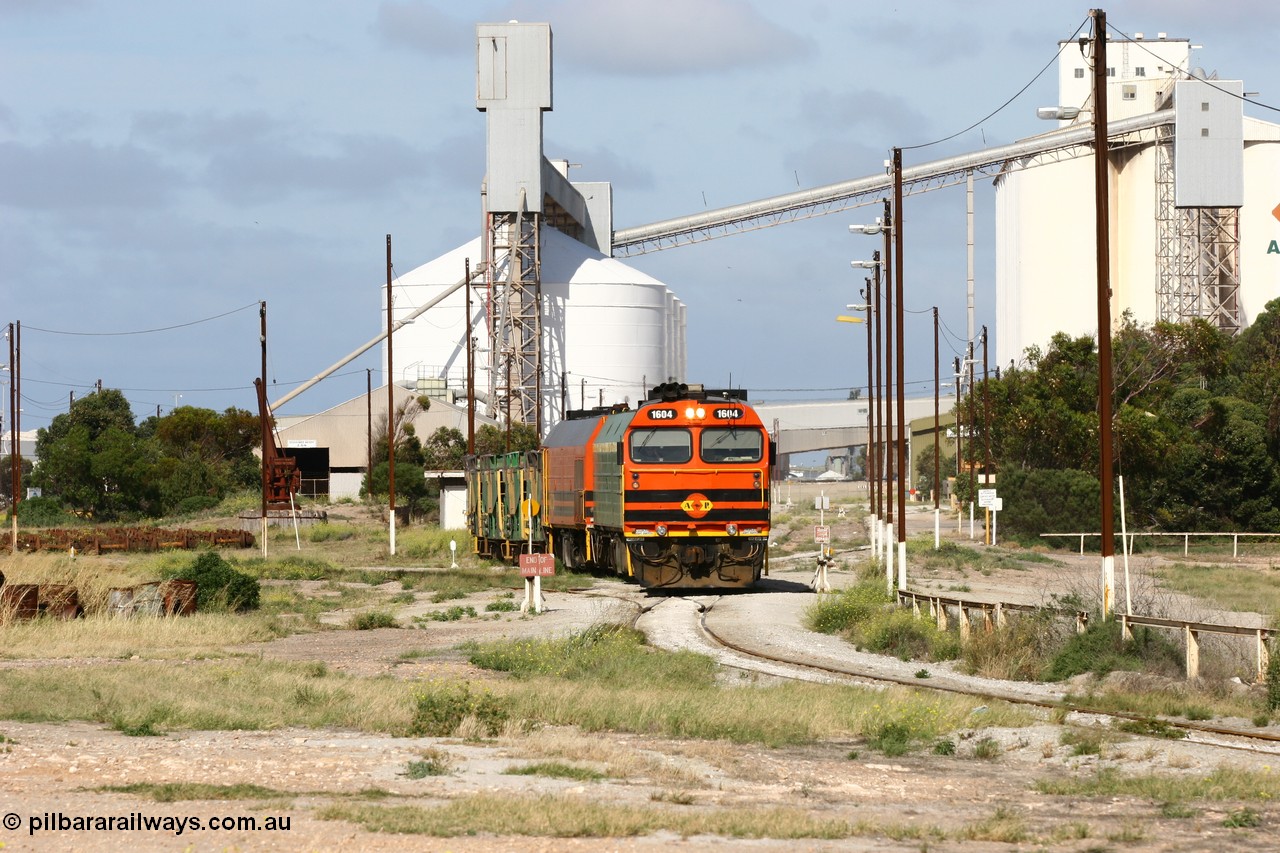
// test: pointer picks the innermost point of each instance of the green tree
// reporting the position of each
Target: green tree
(412, 488)
(491, 439)
(93, 459)
(444, 450)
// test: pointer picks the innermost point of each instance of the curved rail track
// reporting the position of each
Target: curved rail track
(1207, 734)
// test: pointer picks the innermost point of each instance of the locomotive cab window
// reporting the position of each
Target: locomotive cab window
(661, 446)
(731, 444)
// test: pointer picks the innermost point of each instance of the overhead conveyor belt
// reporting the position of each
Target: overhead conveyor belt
(833, 198)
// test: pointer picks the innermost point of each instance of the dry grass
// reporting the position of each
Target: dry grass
(1239, 589)
(202, 634)
(142, 697)
(572, 817)
(619, 760)
(93, 577)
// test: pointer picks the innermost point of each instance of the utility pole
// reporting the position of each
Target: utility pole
(391, 417)
(871, 437)
(368, 431)
(902, 390)
(959, 444)
(266, 420)
(937, 449)
(973, 430)
(15, 465)
(986, 430)
(879, 404)
(471, 370)
(1101, 160)
(890, 485)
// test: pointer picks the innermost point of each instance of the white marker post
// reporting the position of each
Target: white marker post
(997, 506)
(822, 536)
(986, 500)
(453, 553)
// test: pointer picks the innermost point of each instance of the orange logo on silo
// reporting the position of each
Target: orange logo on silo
(696, 505)
(1276, 212)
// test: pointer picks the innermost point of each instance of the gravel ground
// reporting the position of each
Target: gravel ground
(46, 768)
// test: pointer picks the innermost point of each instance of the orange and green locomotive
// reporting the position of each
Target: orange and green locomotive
(673, 494)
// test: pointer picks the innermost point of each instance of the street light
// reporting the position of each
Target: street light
(881, 516)
(1058, 113)
(892, 231)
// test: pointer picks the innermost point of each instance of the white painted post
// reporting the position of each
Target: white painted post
(1235, 545)
(971, 520)
(1124, 544)
(1264, 655)
(1193, 653)
(453, 553)
(937, 529)
(902, 564)
(888, 557)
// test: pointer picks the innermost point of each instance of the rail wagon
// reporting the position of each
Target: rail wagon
(504, 493)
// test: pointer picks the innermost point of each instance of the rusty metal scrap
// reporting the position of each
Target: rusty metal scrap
(101, 540)
(159, 598)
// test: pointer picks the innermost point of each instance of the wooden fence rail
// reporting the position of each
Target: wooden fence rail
(1186, 539)
(992, 615)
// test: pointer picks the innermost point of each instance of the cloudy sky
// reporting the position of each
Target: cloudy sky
(164, 166)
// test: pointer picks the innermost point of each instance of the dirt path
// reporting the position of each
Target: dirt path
(980, 804)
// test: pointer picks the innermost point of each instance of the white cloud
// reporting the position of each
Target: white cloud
(669, 37)
(77, 174)
(422, 27)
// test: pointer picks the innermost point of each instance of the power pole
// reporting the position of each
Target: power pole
(391, 417)
(986, 430)
(15, 466)
(1101, 161)
(266, 421)
(471, 370)
(368, 431)
(902, 388)
(937, 450)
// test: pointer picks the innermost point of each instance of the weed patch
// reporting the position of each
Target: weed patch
(440, 708)
(371, 619)
(434, 762)
(557, 770)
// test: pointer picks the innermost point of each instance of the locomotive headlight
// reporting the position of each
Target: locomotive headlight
(701, 413)
(688, 413)
(731, 529)
(662, 529)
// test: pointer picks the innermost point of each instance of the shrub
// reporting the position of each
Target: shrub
(442, 706)
(1020, 651)
(832, 614)
(218, 585)
(893, 739)
(1048, 500)
(45, 512)
(196, 503)
(899, 633)
(1273, 682)
(1102, 649)
(371, 619)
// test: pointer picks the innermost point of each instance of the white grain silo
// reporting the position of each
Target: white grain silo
(1192, 228)
(607, 328)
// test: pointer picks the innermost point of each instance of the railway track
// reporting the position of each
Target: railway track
(737, 654)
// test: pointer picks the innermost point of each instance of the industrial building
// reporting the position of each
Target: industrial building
(1193, 195)
(556, 323)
